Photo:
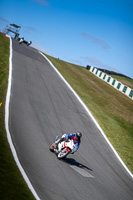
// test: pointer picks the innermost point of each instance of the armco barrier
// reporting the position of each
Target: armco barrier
(111, 81)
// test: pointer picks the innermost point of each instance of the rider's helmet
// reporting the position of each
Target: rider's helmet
(79, 134)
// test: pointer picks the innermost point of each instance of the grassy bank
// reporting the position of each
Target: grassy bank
(126, 81)
(12, 185)
(112, 110)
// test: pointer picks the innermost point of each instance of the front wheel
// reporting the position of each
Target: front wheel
(62, 154)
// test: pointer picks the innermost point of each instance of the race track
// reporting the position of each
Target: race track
(41, 107)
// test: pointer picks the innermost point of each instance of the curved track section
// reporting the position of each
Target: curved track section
(41, 107)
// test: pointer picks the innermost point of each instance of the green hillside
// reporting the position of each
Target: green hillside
(126, 81)
(112, 109)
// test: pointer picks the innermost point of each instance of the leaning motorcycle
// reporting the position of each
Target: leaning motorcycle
(64, 148)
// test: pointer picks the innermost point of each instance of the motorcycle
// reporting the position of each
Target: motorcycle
(64, 148)
(21, 40)
(29, 43)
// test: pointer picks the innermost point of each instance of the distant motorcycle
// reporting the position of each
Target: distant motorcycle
(21, 40)
(29, 43)
(25, 42)
(64, 148)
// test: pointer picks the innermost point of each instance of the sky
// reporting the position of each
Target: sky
(83, 32)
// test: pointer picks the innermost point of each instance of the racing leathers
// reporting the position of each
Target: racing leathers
(71, 136)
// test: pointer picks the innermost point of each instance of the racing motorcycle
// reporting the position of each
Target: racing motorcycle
(21, 40)
(64, 148)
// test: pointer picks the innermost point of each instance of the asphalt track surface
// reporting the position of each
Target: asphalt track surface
(41, 107)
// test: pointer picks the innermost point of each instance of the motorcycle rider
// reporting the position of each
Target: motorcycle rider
(76, 137)
(21, 40)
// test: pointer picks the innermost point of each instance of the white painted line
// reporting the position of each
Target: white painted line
(7, 127)
(82, 171)
(88, 111)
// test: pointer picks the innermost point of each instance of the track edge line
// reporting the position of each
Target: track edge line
(7, 128)
(90, 114)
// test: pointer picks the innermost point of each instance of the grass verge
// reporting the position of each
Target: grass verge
(12, 184)
(126, 81)
(112, 109)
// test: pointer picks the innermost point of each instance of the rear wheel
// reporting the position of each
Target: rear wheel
(62, 154)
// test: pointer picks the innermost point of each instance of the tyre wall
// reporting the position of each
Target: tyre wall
(113, 82)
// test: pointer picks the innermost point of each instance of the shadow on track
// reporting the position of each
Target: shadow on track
(73, 162)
